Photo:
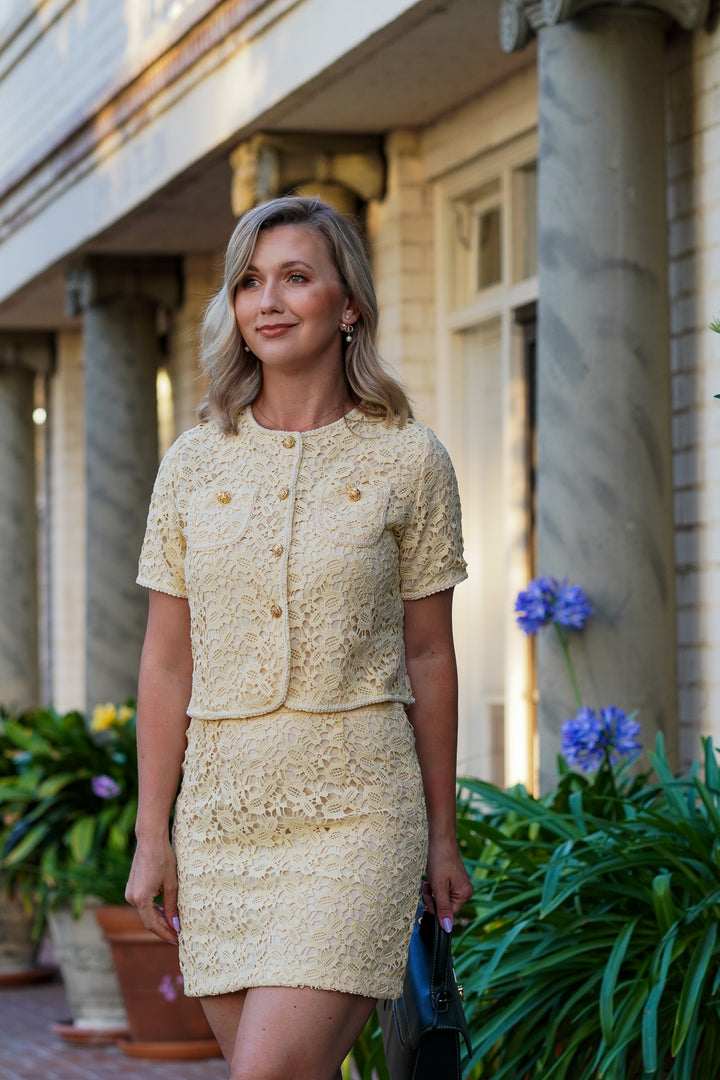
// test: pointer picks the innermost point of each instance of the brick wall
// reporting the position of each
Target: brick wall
(693, 103)
(202, 277)
(400, 230)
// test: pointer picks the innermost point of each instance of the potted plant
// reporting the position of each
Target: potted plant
(72, 802)
(18, 916)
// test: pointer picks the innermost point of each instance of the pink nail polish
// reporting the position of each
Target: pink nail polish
(446, 925)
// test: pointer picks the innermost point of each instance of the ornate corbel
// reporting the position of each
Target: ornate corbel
(268, 165)
(521, 19)
(29, 350)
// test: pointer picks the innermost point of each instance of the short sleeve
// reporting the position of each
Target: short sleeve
(431, 547)
(162, 559)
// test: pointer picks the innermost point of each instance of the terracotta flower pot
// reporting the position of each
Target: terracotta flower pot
(163, 1022)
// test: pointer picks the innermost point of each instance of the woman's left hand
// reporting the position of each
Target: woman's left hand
(448, 883)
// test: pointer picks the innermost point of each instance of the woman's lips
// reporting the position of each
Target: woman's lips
(275, 330)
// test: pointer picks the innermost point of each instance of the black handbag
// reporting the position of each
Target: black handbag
(421, 1030)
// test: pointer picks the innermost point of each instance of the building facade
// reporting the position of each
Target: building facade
(539, 184)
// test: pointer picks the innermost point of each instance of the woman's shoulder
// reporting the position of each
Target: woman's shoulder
(196, 440)
(195, 451)
(408, 440)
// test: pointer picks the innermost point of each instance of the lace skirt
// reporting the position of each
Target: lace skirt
(301, 840)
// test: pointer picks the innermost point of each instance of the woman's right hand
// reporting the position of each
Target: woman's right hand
(154, 873)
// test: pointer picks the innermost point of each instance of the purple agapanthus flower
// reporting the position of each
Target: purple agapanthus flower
(105, 787)
(534, 605)
(590, 738)
(547, 600)
(572, 607)
(171, 987)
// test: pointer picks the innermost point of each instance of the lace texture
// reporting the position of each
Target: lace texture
(296, 552)
(301, 841)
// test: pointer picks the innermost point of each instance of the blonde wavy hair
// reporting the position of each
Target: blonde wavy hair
(236, 375)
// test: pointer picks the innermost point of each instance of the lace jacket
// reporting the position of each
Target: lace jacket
(296, 552)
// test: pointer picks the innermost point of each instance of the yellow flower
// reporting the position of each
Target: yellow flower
(125, 713)
(103, 717)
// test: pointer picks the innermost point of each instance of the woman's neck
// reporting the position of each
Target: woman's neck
(301, 409)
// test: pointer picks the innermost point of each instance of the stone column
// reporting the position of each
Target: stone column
(604, 480)
(119, 300)
(22, 356)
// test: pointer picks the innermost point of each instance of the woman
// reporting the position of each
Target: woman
(302, 547)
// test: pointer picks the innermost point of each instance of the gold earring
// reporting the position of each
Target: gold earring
(348, 330)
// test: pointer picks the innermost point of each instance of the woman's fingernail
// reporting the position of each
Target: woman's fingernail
(176, 923)
(446, 925)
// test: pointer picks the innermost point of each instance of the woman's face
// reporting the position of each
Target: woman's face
(290, 301)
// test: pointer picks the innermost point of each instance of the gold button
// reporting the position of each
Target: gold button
(224, 496)
(353, 493)
(277, 549)
(283, 493)
(275, 611)
(288, 442)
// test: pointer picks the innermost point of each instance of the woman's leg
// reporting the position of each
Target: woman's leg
(223, 1012)
(283, 1032)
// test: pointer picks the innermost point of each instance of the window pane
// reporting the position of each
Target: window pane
(489, 248)
(475, 242)
(524, 192)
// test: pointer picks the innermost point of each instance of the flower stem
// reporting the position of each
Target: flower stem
(569, 664)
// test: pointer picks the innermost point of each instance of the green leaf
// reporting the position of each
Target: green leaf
(709, 804)
(554, 873)
(663, 901)
(29, 842)
(650, 1011)
(55, 784)
(692, 985)
(81, 838)
(610, 976)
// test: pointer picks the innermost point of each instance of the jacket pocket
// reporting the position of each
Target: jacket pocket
(353, 514)
(219, 517)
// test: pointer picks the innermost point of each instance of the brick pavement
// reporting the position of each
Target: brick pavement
(29, 1050)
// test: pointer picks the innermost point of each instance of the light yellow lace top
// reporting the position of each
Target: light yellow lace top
(296, 552)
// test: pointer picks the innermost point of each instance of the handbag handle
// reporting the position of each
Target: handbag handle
(442, 970)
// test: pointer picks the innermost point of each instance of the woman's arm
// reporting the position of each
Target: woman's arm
(163, 695)
(430, 659)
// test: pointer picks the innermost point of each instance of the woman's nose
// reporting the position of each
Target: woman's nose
(270, 299)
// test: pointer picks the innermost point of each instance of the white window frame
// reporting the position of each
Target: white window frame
(501, 300)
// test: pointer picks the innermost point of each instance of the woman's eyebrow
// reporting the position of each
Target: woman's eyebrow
(283, 266)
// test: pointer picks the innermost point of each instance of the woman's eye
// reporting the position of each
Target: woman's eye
(297, 277)
(248, 282)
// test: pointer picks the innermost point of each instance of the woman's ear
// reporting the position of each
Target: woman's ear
(351, 312)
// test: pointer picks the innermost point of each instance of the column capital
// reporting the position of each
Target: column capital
(31, 351)
(99, 278)
(266, 166)
(521, 19)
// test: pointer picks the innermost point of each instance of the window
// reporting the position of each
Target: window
(487, 279)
